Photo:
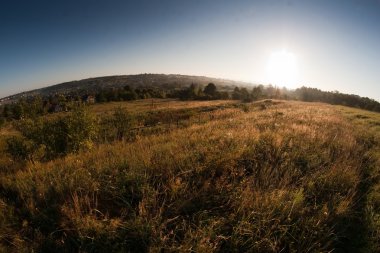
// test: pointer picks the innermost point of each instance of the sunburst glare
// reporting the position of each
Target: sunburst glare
(282, 69)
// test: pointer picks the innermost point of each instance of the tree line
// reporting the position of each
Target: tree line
(36, 106)
(336, 98)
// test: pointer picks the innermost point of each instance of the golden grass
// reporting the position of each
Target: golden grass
(368, 124)
(144, 105)
(284, 177)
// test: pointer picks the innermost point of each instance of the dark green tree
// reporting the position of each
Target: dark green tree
(244, 95)
(210, 90)
(236, 93)
(257, 92)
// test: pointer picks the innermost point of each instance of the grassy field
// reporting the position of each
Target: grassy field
(269, 176)
(140, 106)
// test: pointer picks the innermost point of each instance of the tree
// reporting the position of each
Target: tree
(128, 95)
(210, 90)
(244, 95)
(270, 91)
(224, 95)
(101, 97)
(194, 91)
(257, 92)
(236, 93)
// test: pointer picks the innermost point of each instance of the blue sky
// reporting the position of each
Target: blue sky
(336, 43)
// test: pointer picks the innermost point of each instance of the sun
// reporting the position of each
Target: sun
(282, 69)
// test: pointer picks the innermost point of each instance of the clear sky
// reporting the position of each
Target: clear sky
(336, 43)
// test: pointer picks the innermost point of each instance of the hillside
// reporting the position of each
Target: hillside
(193, 176)
(141, 80)
(133, 87)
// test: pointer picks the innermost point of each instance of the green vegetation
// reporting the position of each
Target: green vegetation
(192, 176)
(56, 137)
(68, 96)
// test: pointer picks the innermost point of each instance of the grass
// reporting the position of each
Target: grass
(368, 124)
(143, 105)
(270, 176)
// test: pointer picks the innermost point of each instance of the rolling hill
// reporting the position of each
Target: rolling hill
(141, 80)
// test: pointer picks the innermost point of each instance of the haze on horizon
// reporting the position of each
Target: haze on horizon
(327, 44)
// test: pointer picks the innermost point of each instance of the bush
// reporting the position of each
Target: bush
(123, 122)
(81, 130)
(18, 148)
(59, 136)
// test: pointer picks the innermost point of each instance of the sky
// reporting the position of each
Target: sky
(335, 43)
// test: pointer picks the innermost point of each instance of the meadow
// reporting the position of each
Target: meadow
(200, 176)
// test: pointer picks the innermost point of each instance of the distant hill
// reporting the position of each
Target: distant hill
(176, 86)
(141, 80)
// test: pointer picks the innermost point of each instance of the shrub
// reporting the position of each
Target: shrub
(123, 122)
(18, 148)
(61, 135)
(81, 130)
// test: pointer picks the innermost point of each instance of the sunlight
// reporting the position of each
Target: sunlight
(282, 69)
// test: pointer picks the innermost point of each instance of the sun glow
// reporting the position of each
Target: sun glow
(282, 69)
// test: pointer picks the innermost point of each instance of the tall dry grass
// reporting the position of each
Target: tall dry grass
(266, 177)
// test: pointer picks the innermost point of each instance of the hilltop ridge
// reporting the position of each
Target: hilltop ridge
(118, 81)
